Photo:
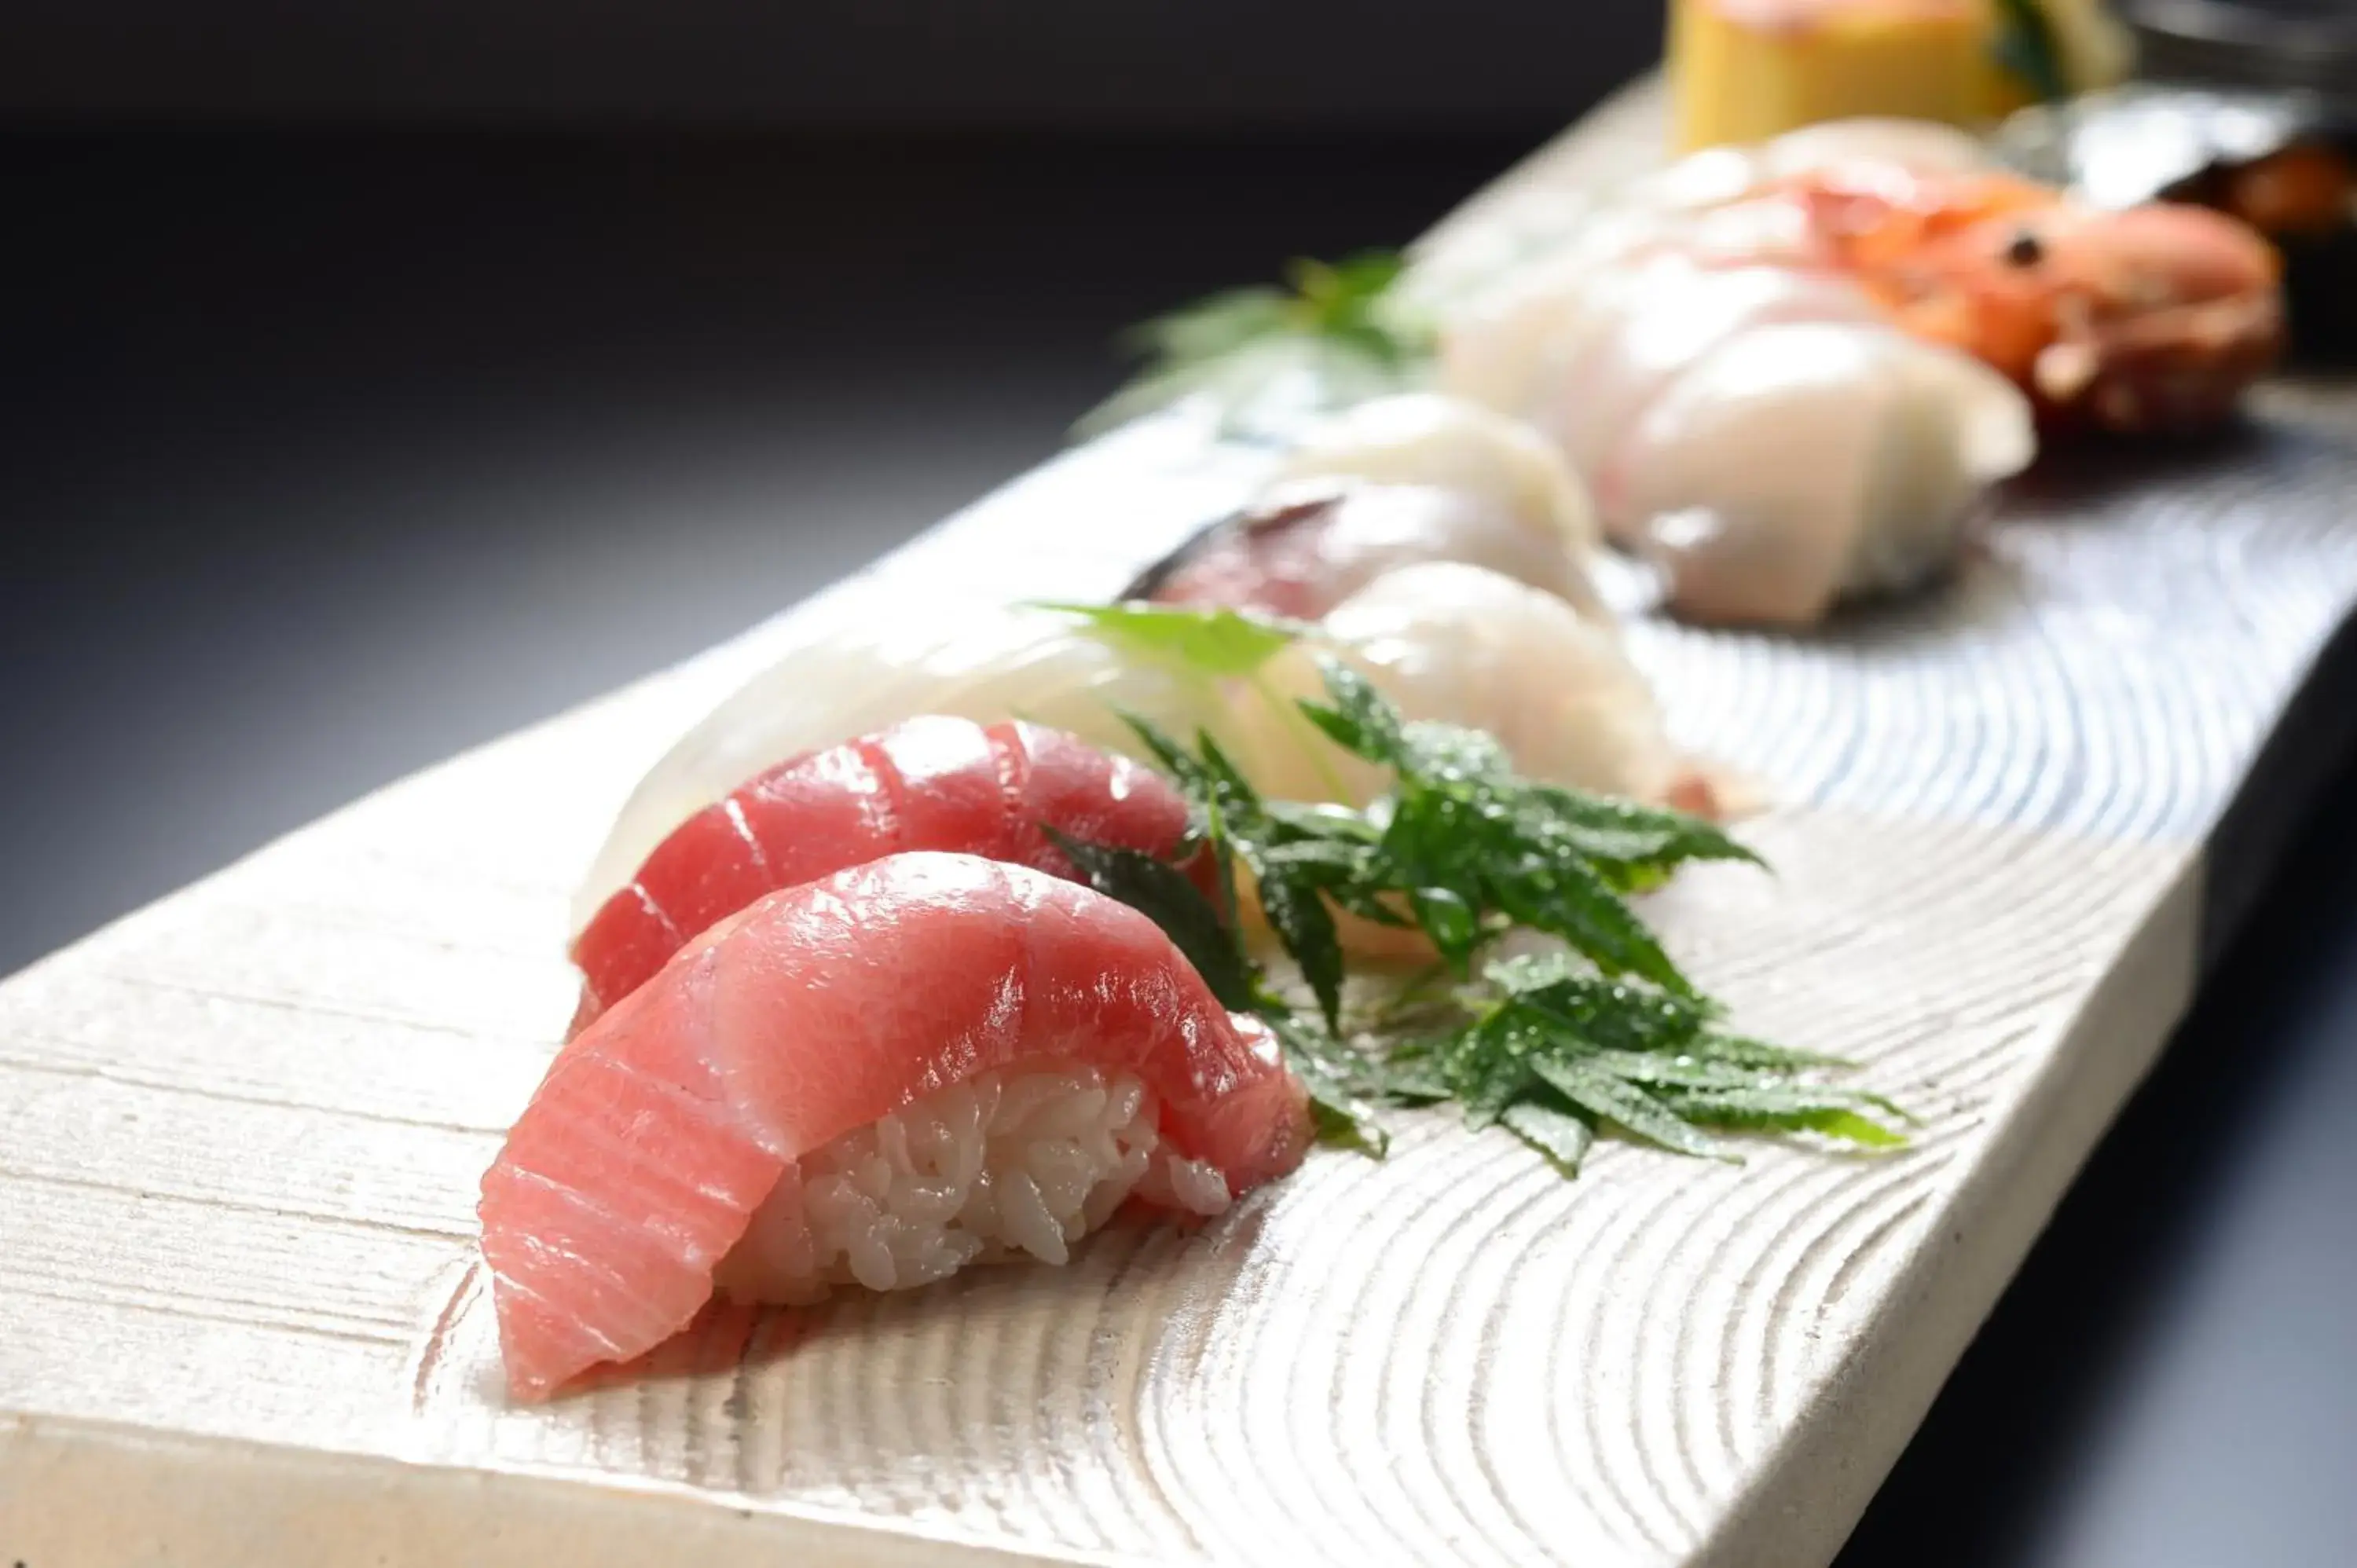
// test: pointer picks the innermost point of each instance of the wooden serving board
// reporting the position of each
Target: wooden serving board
(241, 1321)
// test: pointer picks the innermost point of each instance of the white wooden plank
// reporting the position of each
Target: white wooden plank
(239, 1321)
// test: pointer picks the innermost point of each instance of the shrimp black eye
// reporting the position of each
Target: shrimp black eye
(2025, 250)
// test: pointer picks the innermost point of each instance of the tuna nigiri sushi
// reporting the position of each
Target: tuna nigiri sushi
(876, 1077)
(926, 783)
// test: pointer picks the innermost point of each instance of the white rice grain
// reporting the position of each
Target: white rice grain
(1003, 1165)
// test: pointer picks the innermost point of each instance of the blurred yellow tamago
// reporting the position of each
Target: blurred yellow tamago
(1742, 71)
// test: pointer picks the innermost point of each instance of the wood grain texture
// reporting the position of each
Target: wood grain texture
(240, 1323)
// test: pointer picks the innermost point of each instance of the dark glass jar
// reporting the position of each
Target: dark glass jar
(2249, 106)
(2302, 44)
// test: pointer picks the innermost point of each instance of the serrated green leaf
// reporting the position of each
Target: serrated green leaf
(1448, 754)
(1339, 1081)
(1738, 1051)
(1356, 717)
(1449, 921)
(1236, 795)
(1162, 893)
(1265, 353)
(1322, 821)
(1533, 972)
(1608, 1032)
(1784, 1105)
(1486, 1066)
(1216, 324)
(1849, 1127)
(1565, 899)
(1299, 916)
(1625, 1106)
(1632, 839)
(1560, 1135)
(1173, 759)
(1346, 1124)
(1413, 1082)
(1656, 1070)
(1216, 642)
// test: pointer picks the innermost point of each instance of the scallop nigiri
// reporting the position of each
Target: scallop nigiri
(876, 1079)
(930, 783)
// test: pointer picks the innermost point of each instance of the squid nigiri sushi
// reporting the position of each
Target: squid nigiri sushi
(926, 783)
(878, 1077)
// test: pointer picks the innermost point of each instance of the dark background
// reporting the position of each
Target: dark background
(375, 380)
(1180, 65)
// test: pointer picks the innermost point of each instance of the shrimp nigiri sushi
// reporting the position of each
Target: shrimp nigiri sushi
(926, 783)
(878, 1077)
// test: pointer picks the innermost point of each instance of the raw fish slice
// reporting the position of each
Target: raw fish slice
(1536, 226)
(660, 1129)
(926, 783)
(1310, 545)
(1725, 177)
(1800, 464)
(1450, 444)
(1504, 348)
(984, 663)
(1651, 328)
(1918, 146)
(1462, 645)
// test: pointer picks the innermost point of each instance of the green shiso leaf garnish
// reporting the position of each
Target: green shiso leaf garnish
(1604, 1034)
(1330, 336)
(1219, 642)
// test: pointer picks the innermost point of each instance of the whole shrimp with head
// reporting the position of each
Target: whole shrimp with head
(2148, 318)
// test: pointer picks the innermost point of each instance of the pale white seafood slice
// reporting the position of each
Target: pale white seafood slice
(1450, 444)
(1800, 464)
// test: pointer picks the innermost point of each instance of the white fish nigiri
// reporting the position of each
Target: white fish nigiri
(1652, 324)
(1502, 347)
(1799, 464)
(1698, 205)
(1453, 642)
(1450, 444)
(1919, 146)
(1308, 544)
(987, 665)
